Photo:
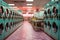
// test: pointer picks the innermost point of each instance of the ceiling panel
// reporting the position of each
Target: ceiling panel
(22, 3)
(40, 3)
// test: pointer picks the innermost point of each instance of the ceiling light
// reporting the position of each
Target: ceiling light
(52, 0)
(30, 0)
(29, 7)
(29, 4)
(13, 7)
(11, 4)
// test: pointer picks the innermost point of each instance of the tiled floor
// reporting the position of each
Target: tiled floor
(26, 32)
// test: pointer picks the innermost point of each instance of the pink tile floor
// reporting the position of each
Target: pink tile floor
(26, 32)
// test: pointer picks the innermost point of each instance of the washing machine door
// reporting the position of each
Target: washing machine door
(11, 14)
(49, 25)
(45, 24)
(7, 12)
(49, 12)
(1, 11)
(55, 27)
(55, 10)
(1, 28)
(6, 27)
(45, 14)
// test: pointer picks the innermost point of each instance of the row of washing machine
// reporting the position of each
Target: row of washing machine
(9, 18)
(52, 19)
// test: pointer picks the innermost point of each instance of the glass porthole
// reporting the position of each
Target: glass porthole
(49, 12)
(1, 9)
(1, 28)
(55, 11)
(49, 25)
(6, 28)
(55, 27)
(7, 11)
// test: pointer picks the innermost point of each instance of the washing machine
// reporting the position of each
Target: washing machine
(2, 27)
(56, 17)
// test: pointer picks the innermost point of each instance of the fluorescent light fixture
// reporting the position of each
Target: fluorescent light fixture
(13, 7)
(29, 4)
(11, 4)
(29, 0)
(52, 0)
(29, 7)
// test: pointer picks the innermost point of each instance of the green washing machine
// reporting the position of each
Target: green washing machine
(7, 23)
(2, 22)
(47, 29)
(55, 29)
(56, 18)
(8, 19)
(45, 20)
(50, 20)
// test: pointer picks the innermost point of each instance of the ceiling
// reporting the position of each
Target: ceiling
(22, 3)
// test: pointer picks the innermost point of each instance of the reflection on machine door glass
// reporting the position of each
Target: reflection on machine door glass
(7, 11)
(1, 28)
(7, 25)
(55, 27)
(49, 25)
(1, 11)
(49, 12)
(55, 11)
(45, 24)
